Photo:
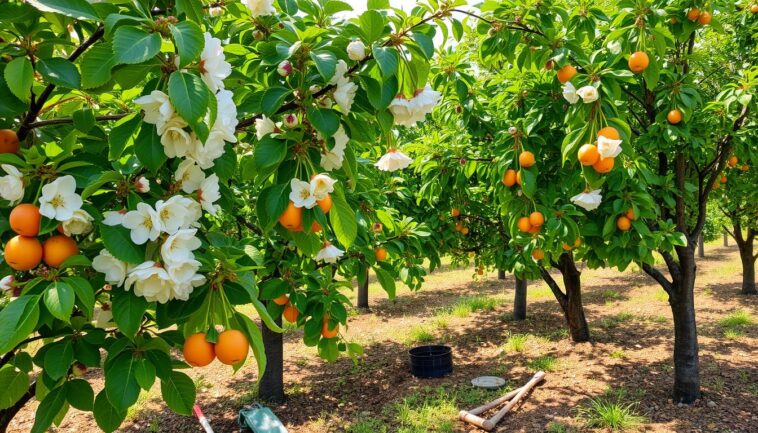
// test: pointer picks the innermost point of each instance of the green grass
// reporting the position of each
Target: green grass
(614, 321)
(419, 334)
(618, 354)
(539, 292)
(733, 334)
(434, 409)
(609, 295)
(611, 414)
(543, 363)
(471, 304)
(516, 343)
(368, 425)
(556, 427)
(661, 295)
(736, 319)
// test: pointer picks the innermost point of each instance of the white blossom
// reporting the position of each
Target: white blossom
(150, 281)
(608, 147)
(356, 51)
(215, 11)
(6, 283)
(12, 184)
(407, 112)
(329, 253)
(103, 316)
(189, 175)
(393, 160)
(144, 223)
(321, 186)
(204, 154)
(114, 218)
(113, 268)
(179, 247)
(291, 121)
(183, 290)
(339, 73)
(588, 94)
(157, 107)
(333, 158)
(569, 93)
(588, 200)
(142, 184)
(226, 122)
(194, 213)
(264, 126)
(213, 65)
(259, 8)
(301, 194)
(176, 141)
(59, 199)
(80, 223)
(208, 193)
(344, 95)
(171, 213)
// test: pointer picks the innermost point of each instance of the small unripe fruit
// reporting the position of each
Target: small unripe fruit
(285, 68)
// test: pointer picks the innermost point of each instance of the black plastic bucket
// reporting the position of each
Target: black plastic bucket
(431, 361)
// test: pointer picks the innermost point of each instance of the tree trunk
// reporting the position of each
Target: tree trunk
(686, 360)
(519, 300)
(500, 274)
(363, 290)
(745, 246)
(271, 385)
(701, 246)
(571, 301)
(726, 239)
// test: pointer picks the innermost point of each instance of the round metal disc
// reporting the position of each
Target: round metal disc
(488, 382)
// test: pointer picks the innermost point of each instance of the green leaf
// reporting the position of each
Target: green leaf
(108, 418)
(128, 310)
(380, 95)
(387, 59)
(386, 281)
(17, 320)
(48, 409)
(60, 72)
(119, 243)
(191, 8)
(269, 152)
(324, 120)
(13, 383)
(121, 134)
(255, 338)
(343, 220)
(326, 63)
(178, 392)
(79, 9)
(84, 293)
(426, 43)
(189, 41)
(148, 148)
(273, 98)
(372, 24)
(58, 358)
(145, 373)
(133, 45)
(96, 65)
(80, 395)
(19, 76)
(84, 119)
(120, 384)
(105, 177)
(59, 300)
(189, 95)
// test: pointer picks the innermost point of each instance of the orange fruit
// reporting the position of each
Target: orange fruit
(509, 178)
(23, 253)
(538, 254)
(566, 247)
(674, 116)
(630, 214)
(577, 243)
(292, 217)
(232, 347)
(623, 223)
(464, 231)
(458, 226)
(325, 204)
(566, 73)
(716, 185)
(534, 230)
(609, 132)
(455, 212)
(198, 352)
(380, 253)
(723, 179)
(754, 8)
(24, 219)
(638, 62)
(518, 177)
(536, 219)
(604, 165)
(588, 154)
(9, 141)
(57, 249)
(315, 227)
(526, 159)
(326, 332)
(282, 300)
(732, 163)
(745, 167)
(524, 225)
(704, 18)
(693, 14)
(290, 313)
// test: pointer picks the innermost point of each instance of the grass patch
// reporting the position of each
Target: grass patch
(661, 295)
(615, 320)
(419, 334)
(516, 343)
(471, 304)
(368, 425)
(543, 363)
(441, 321)
(435, 409)
(539, 292)
(618, 354)
(614, 415)
(609, 295)
(556, 427)
(736, 319)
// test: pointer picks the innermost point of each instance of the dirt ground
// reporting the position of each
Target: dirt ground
(630, 355)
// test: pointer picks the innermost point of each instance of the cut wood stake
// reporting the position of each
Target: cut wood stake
(490, 423)
(472, 416)
(512, 397)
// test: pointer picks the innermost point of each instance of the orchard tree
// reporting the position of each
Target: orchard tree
(166, 162)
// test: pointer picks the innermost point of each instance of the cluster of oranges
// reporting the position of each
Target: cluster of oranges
(290, 311)
(231, 348)
(702, 17)
(577, 244)
(590, 156)
(292, 217)
(731, 163)
(9, 141)
(25, 252)
(459, 227)
(624, 222)
(531, 224)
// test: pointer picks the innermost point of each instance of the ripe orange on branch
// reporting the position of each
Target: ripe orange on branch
(732, 161)
(609, 132)
(526, 159)
(604, 165)
(292, 217)
(231, 347)
(588, 154)
(326, 332)
(638, 62)
(630, 214)
(282, 300)
(536, 219)
(25, 219)
(455, 212)
(9, 141)
(325, 204)
(380, 253)
(23, 253)
(524, 225)
(566, 73)
(623, 223)
(704, 18)
(290, 313)
(693, 14)
(674, 116)
(509, 178)
(538, 254)
(57, 249)
(198, 352)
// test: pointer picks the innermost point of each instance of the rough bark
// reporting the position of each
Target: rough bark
(500, 274)
(271, 385)
(686, 359)
(701, 247)
(571, 300)
(519, 300)
(363, 291)
(726, 239)
(7, 415)
(745, 246)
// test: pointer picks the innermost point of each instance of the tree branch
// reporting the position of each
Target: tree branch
(660, 278)
(67, 120)
(553, 285)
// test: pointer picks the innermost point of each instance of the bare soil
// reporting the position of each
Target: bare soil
(631, 349)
